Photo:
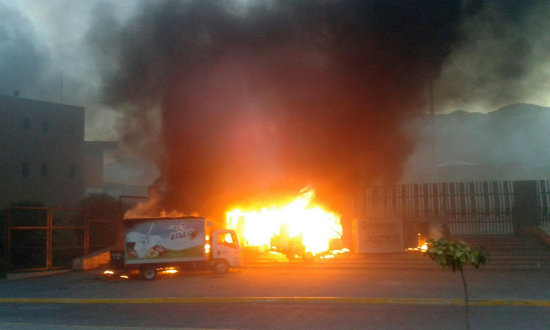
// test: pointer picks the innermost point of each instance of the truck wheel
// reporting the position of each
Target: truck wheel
(221, 266)
(148, 273)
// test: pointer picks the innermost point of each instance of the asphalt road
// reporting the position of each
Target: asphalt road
(307, 297)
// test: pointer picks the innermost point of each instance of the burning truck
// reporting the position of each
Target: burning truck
(168, 245)
(296, 227)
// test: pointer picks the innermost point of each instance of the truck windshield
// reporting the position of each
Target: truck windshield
(227, 239)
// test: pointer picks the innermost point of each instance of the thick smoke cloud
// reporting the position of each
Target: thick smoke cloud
(271, 96)
(23, 60)
(501, 58)
(43, 56)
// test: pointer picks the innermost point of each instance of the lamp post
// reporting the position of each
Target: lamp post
(433, 160)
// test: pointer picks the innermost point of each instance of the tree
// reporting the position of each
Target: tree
(447, 253)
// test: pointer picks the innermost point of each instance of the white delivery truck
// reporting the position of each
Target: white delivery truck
(153, 245)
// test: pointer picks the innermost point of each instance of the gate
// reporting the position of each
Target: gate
(466, 208)
(45, 238)
(543, 201)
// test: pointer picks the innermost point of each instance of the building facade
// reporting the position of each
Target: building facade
(41, 152)
(93, 165)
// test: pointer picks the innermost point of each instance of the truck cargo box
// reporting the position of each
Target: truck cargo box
(166, 240)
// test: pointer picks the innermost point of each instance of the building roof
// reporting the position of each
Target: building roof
(99, 146)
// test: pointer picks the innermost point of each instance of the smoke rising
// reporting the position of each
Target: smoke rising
(23, 60)
(501, 58)
(43, 56)
(238, 98)
(234, 98)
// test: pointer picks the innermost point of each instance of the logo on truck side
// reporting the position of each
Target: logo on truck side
(182, 232)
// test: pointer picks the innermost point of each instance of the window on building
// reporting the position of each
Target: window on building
(26, 123)
(45, 126)
(44, 169)
(25, 169)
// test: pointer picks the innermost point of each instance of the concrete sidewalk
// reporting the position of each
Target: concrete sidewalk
(284, 300)
(23, 275)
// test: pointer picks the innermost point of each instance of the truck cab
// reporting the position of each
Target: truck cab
(226, 251)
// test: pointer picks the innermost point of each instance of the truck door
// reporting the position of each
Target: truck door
(226, 246)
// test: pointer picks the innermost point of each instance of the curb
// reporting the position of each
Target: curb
(18, 276)
(292, 300)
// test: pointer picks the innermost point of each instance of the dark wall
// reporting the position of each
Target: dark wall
(526, 212)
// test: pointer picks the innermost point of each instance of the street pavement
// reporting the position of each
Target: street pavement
(340, 293)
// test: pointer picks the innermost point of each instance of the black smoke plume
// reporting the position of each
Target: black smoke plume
(255, 98)
(500, 57)
(23, 61)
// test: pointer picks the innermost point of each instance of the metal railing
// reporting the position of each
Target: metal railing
(501, 225)
(47, 238)
(44, 238)
(468, 208)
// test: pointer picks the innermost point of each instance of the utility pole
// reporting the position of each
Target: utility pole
(432, 132)
(61, 87)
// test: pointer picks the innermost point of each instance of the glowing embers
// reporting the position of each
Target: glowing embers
(422, 245)
(169, 270)
(108, 272)
(296, 228)
(113, 273)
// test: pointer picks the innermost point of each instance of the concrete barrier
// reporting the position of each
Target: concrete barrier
(92, 261)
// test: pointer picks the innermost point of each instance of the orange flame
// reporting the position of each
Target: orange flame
(301, 219)
(422, 244)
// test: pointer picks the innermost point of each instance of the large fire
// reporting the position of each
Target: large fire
(300, 223)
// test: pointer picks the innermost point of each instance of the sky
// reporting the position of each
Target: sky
(56, 65)
(44, 56)
(277, 94)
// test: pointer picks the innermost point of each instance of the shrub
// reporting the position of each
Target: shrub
(455, 255)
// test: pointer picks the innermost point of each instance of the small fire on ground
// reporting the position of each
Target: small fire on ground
(422, 244)
(297, 228)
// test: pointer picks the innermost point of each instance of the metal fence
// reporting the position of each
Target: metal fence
(459, 199)
(467, 208)
(45, 238)
(543, 200)
(41, 238)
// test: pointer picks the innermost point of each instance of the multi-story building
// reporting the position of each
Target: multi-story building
(41, 152)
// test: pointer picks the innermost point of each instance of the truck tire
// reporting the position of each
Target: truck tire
(221, 266)
(148, 273)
